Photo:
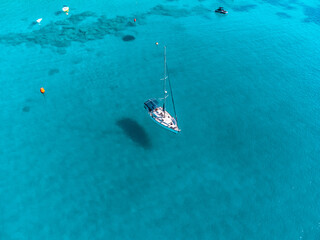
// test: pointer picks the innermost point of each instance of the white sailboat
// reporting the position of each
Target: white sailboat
(158, 113)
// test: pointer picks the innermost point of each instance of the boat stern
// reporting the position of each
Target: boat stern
(151, 104)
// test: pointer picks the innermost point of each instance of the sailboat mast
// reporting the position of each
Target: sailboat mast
(174, 108)
(164, 82)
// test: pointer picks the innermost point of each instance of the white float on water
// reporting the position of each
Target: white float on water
(39, 20)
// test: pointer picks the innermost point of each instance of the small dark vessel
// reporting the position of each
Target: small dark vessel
(221, 10)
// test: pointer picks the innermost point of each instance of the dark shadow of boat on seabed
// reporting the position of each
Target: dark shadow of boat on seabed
(135, 132)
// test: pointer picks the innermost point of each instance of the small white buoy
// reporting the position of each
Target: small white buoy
(39, 20)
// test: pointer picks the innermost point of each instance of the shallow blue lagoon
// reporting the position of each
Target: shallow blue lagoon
(84, 161)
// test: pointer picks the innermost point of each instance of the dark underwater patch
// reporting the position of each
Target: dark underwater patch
(244, 8)
(312, 15)
(131, 24)
(201, 11)
(77, 18)
(283, 15)
(99, 54)
(128, 38)
(32, 24)
(26, 109)
(53, 71)
(58, 13)
(59, 35)
(277, 2)
(169, 11)
(135, 132)
(286, 4)
(62, 33)
(61, 51)
(113, 87)
(77, 60)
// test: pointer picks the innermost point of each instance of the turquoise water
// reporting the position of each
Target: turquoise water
(85, 161)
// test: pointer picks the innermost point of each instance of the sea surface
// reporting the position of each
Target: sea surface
(84, 160)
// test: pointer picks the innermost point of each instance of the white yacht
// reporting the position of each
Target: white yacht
(157, 112)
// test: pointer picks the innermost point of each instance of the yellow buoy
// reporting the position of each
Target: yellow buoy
(157, 43)
(42, 90)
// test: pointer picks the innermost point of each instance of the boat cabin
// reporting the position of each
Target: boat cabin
(151, 104)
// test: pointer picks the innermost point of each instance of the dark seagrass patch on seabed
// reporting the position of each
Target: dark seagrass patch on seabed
(244, 8)
(61, 33)
(58, 13)
(100, 54)
(77, 60)
(53, 71)
(312, 14)
(128, 38)
(283, 15)
(58, 35)
(170, 11)
(285, 4)
(200, 10)
(26, 109)
(131, 24)
(61, 51)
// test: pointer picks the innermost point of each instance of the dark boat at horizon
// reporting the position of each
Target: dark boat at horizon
(221, 10)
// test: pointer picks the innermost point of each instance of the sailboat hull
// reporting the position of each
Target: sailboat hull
(164, 119)
(170, 129)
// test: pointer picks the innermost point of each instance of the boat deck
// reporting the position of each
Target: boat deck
(164, 118)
